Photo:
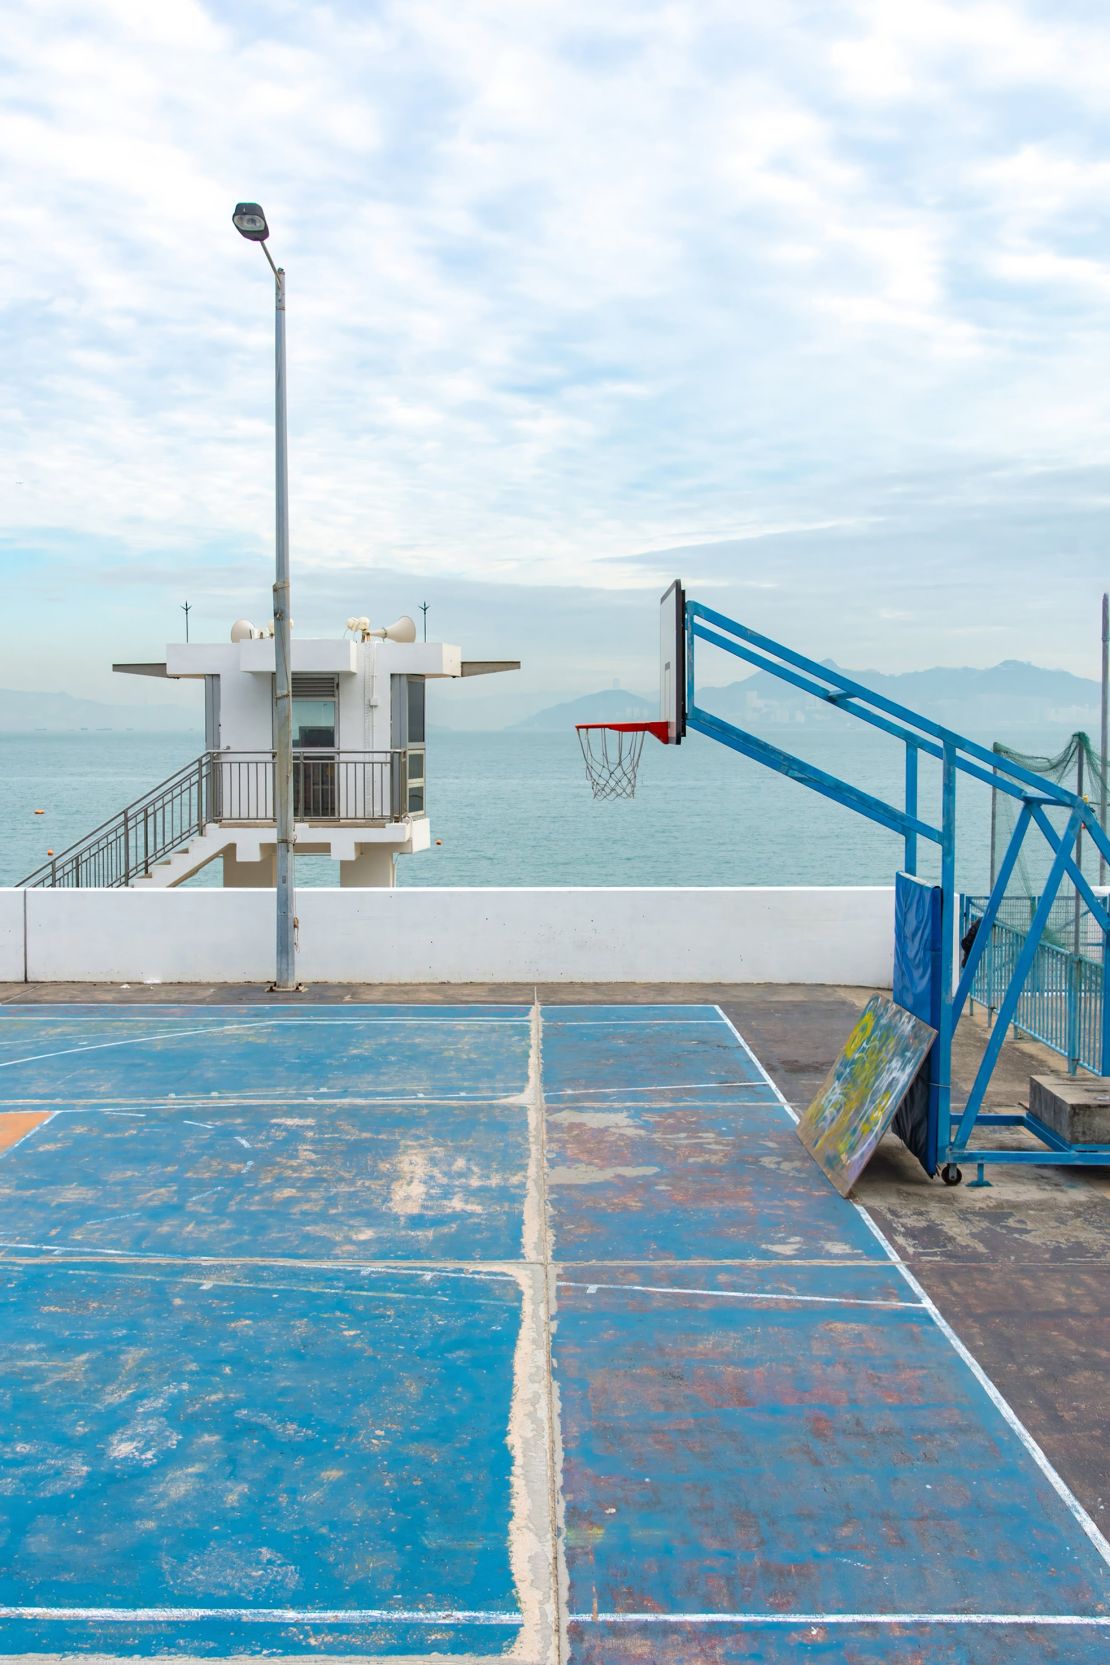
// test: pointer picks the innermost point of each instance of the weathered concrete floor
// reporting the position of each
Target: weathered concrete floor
(1016, 1269)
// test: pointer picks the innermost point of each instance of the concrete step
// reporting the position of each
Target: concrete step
(1075, 1106)
(182, 864)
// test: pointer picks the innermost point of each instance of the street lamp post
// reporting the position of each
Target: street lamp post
(250, 222)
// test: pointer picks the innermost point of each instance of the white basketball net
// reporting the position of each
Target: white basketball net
(612, 757)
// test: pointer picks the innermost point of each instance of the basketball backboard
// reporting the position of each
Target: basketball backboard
(672, 662)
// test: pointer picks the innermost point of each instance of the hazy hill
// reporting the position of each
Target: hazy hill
(1004, 700)
(612, 705)
(22, 712)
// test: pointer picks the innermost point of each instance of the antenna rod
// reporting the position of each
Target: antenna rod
(424, 610)
(186, 609)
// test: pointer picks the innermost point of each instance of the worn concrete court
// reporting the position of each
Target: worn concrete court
(492, 1331)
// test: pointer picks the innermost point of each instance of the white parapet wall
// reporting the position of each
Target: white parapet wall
(12, 903)
(625, 935)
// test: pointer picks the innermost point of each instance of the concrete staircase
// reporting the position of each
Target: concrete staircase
(183, 863)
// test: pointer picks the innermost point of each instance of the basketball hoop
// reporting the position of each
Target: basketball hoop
(611, 752)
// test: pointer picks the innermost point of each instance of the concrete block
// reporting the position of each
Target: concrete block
(1076, 1107)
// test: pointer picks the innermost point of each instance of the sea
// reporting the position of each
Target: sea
(512, 808)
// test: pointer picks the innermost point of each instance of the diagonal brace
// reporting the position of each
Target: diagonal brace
(994, 902)
(1017, 982)
(807, 774)
(1096, 904)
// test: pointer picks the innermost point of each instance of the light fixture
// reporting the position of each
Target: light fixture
(250, 222)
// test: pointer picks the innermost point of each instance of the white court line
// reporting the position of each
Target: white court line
(321, 1022)
(272, 1101)
(260, 1023)
(745, 1295)
(137, 1040)
(656, 1087)
(418, 1269)
(263, 1615)
(1078, 1620)
(1002, 1405)
(629, 1006)
(455, 1616)
(207, 1284)
(627, 1023)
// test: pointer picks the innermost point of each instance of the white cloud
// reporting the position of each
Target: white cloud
(564, 283)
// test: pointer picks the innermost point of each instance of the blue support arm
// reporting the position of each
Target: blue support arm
(808, 774)
(845, 685)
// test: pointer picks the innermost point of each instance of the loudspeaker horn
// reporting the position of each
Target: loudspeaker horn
(401, 630)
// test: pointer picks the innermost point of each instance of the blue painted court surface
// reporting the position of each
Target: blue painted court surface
(482, 1332)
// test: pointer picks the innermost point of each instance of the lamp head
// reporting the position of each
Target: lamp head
(250, 222)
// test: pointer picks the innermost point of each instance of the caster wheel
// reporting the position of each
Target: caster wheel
(950, 1174)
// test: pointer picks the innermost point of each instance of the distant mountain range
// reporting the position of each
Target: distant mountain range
(612, 705)
(1004, 699)
(22, 712)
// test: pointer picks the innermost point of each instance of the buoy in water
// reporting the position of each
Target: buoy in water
(439, 841)
(40, 812)
(50, 852)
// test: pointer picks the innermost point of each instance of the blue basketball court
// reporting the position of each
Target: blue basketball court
(482, 1332)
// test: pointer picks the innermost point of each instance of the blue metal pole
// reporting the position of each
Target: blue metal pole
(946, 1020)
(911, 806)
(1104, 1037)
(690, 678)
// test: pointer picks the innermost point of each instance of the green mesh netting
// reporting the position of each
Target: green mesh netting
(1080, 769)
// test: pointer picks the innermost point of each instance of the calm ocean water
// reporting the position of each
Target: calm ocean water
(515, 809)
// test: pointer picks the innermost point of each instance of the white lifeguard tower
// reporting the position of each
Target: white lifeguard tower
(359, 777)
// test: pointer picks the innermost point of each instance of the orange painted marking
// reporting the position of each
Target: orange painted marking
(14, 1124)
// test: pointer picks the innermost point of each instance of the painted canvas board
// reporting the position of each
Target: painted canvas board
(864, 1088)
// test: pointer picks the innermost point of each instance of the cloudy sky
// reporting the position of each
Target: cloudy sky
(807, 302)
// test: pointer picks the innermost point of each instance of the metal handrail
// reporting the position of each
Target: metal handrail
(1061, 999)
(224, 787)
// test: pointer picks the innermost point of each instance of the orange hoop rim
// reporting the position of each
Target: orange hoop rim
(661, 730)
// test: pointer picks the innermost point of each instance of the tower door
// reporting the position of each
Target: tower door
(315, 747)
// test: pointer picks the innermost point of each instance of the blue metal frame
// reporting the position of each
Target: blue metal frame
(957, 756)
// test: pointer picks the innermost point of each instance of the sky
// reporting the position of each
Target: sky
(807, 303)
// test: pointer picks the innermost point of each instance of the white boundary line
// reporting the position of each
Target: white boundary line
(1077, 1620)
(265, 1101)
(744, 1295)
(629, 1023)
(264, 1615)
(1002, 1405)
(174, 1010)
(413, 1616)
(261, 1023)
(670, 1087)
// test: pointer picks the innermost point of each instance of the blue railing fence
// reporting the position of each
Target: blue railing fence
(1061, 1002)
